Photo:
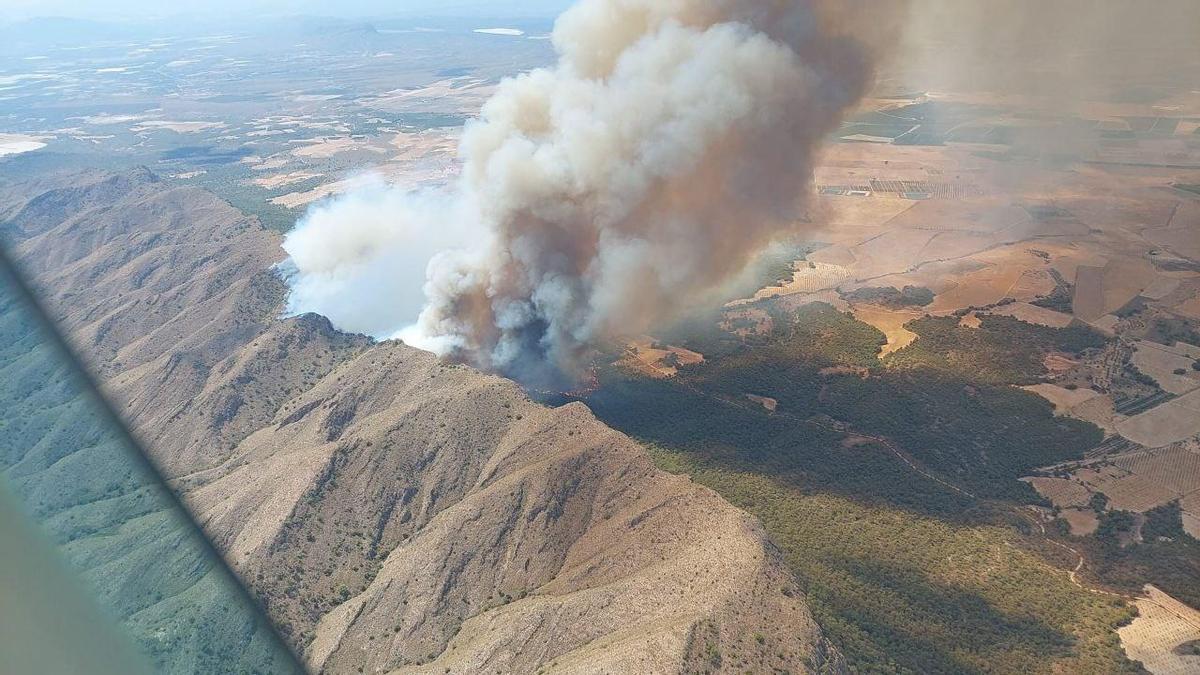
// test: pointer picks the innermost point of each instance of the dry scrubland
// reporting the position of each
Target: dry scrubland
(1113, 247)
(394, 513)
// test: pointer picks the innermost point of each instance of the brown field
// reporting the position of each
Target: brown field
(294, 200)
(1064, 400)
(324, 148)
(1175, 468)
(893, 252)
(831, 297)
(1137, 481)
(1125, 490)
(1163, 624)
(1182, 240)
(1067, 258)
(1191, 513)
(955, 245)
(984, 216)
(1034, 314)
(1106, 324)
(643, 356)
(1089, 293)
(1160, 363)
(1081, 521)
(980, 289)
(462, 94)
(1187, 128)
(269, 164)
(284, 179)
(849, 221)
(1125, 279)
(425, 144)
(808, 279)
(1168, 423)
(939, 277)
(1098, 411)
(1058, 363)
(1189, 308)
(1034, 283)
(1063, 492)
(1161, 287)
(836, 254)
(1005, 268)
(891, 323)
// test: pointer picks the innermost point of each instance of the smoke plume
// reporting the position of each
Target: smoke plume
(1063, 52)
(672, 142)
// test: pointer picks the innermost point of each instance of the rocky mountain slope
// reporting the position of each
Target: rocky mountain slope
(395, 513)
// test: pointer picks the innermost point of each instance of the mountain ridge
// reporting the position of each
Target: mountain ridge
(393, 512)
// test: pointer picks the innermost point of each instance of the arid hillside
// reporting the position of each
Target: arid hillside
(393, 512)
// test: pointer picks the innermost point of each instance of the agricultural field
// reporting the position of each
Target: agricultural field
(1170, 366)
(1028, 313)
(1136, 480)
(1172, 421)
(1078, 291)
(891, 323)
(271, 119)
(1065, 400)
(655, 359)
(1165, 636)
(807, 277)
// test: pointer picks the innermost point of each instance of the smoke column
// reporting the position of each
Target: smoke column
(671, 143)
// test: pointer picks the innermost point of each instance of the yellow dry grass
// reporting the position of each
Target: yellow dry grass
(891, 323)
(1163, 624)
(1034, 314)
(1004, 269)
(1064, 400)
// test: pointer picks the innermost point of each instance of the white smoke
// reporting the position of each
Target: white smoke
(360, 259)
(671, 143)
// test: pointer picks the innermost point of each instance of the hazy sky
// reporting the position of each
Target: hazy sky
(155, 9)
